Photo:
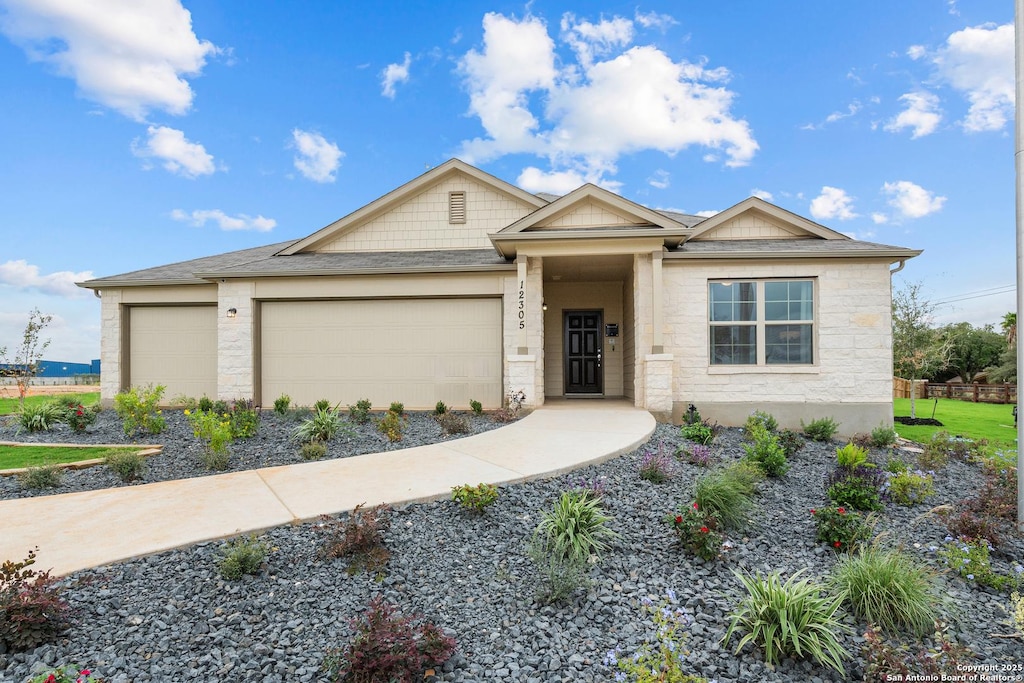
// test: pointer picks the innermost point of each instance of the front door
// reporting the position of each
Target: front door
(583, 345)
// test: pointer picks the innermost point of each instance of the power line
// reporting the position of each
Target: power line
(1005, 289)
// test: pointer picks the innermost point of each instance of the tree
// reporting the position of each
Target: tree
(1009, 326)
(25, 365)
(971, 349)
(917, 349)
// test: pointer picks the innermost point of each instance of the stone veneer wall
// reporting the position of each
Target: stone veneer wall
(110, 345)
(235, 348)
(520, 379)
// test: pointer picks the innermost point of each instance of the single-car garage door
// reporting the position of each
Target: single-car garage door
(416, 351)
(175, 346)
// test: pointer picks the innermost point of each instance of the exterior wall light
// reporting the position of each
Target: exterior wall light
(544, 306)
(232, 312)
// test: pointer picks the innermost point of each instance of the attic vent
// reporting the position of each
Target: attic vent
(456, 207)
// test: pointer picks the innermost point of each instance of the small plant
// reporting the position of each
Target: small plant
(895, 466)
(244, 419)
(766, 452)
(322, 404)
(214, 430)
(390, 425)
(452, 423)
(887, 588)
(667, 661)
(440, 408)
(513, 404)
(841, 529)
(205, 404)
(971, 525)
(763, 419)
(970, 559)
(885, 662)
(139, 410)
(791, 442)
(697, 530)
(656, 465)
(697, 454)
(220, 407)
(960, 448)
(476, 406)
(575, 527)
(911, 488)
(323, 426)
(561, 575)
(69, 673)
(127, 465)
(358, 538)
(78, 417)
(389, 648)
(32, 610)
(726, 496)
(1017, 612)
(822, 429)
(862, 488)
(789, 619)
(698, 432)
(40, 417)
(243, 555)
(883, 436)
(313, 450)
(360, 412)
(592, 488)
(41, 477)
(475, 498)
(397, 407)
(282, 403)
(852, 456)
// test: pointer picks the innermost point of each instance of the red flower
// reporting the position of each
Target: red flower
(695, 505)
(703, 529)
(837, 544)
(813, 511)
(79, 412)
(51, 679)
(679, 519)
(85, 672)
(841, 511)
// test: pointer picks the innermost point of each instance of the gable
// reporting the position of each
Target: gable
(754, 218)
(752, 225)
(589, 213)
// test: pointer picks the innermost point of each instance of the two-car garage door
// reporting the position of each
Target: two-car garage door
(416, 351)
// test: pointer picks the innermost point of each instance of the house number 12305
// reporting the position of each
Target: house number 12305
(522, 305)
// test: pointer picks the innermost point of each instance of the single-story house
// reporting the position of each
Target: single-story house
(459, 286)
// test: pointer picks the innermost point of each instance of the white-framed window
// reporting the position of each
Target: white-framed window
(761, 322)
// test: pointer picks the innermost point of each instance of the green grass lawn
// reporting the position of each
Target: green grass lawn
(12, 457)
(9, 406)
(990, 421)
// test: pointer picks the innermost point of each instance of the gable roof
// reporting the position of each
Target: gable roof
(407, 191)
(756, 204)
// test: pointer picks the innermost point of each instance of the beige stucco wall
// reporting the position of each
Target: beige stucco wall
(421, 222)
(562, 296)
(851, 379)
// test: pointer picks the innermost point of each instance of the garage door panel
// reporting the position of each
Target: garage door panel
(414, 351)
(175, 346)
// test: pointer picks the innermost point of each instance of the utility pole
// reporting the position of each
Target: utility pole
(1019, 166)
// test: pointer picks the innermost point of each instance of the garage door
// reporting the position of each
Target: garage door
(175, 346)
(416, 351)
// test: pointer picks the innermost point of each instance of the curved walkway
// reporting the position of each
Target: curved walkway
(80, 530)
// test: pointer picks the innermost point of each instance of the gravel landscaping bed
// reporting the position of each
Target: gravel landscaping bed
(170, 617)
(271, 446)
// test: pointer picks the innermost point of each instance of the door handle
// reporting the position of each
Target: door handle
(598, 359)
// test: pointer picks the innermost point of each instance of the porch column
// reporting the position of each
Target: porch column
(522, 338)
(235, 359)
(525, 368)
(658, 365)
(657, 312)
(112, 333)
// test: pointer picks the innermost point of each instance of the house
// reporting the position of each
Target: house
(459, 286)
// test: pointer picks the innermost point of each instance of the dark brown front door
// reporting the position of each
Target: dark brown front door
(583, 344)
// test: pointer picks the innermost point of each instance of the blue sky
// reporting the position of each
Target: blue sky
(139, 133)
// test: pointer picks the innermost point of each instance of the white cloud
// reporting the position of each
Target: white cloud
(762, 194)
(879, 218)
(661, 179)
(851, 109)
(532, 179)
(911, 200)
(129, 56)
(706, 214)
(654, 20)
(832, 203)
(317, 159)
(978, 61)
(922, 114)
(915, 52)
(22, 275)
(393, 74)
(179, 155)
(224, 222)
(612, 100)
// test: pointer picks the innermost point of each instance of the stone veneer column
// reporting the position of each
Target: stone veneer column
(111, 332)
(235, 340)
(658, 384)
(525, 367)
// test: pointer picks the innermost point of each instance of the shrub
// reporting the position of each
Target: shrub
(205, 404)
(282, 403)
(655, 464)
(388, 648)
(69, 673)
(32, 610)
(397, 407)
(452, 423)
(561, 575)
(575, 526)
(852, 456)
(697, 531)
(127, 465)
(971, 560)
(956, 447)
(887, 588)
(244, 555)
(760, 418)
(698, 432)
(214, 430)
(766, 452)
(475, 498)
(78, 417)
(440, 408)
(862, 488)
(513, 404)
(591, 488)
(244, 419)
(323, 426)
(358, 538)
(894, 465)
(972, 526)
(841, 529)
(789, 619)
(910, 488)
(139, 410)
(220, 407)
(791, 442)
(697, 454)
(390, 425)
(884, 662)
(883, 436)
(476, 406)
(322, 404)
(822, 429)
(313, 450)
(40, 417)
(360, 412)
(668, 662)
(42, 477)
(726, 496)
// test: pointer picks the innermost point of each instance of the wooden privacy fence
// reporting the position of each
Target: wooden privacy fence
(977, 393)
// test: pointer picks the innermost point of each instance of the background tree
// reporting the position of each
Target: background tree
(1005, 370)
(970, 350)
(917, 349)
(25, 364)
(1009, 326)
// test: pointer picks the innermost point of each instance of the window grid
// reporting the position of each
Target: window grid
(761, 322)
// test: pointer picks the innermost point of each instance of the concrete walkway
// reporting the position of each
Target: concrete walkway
(80, 530)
